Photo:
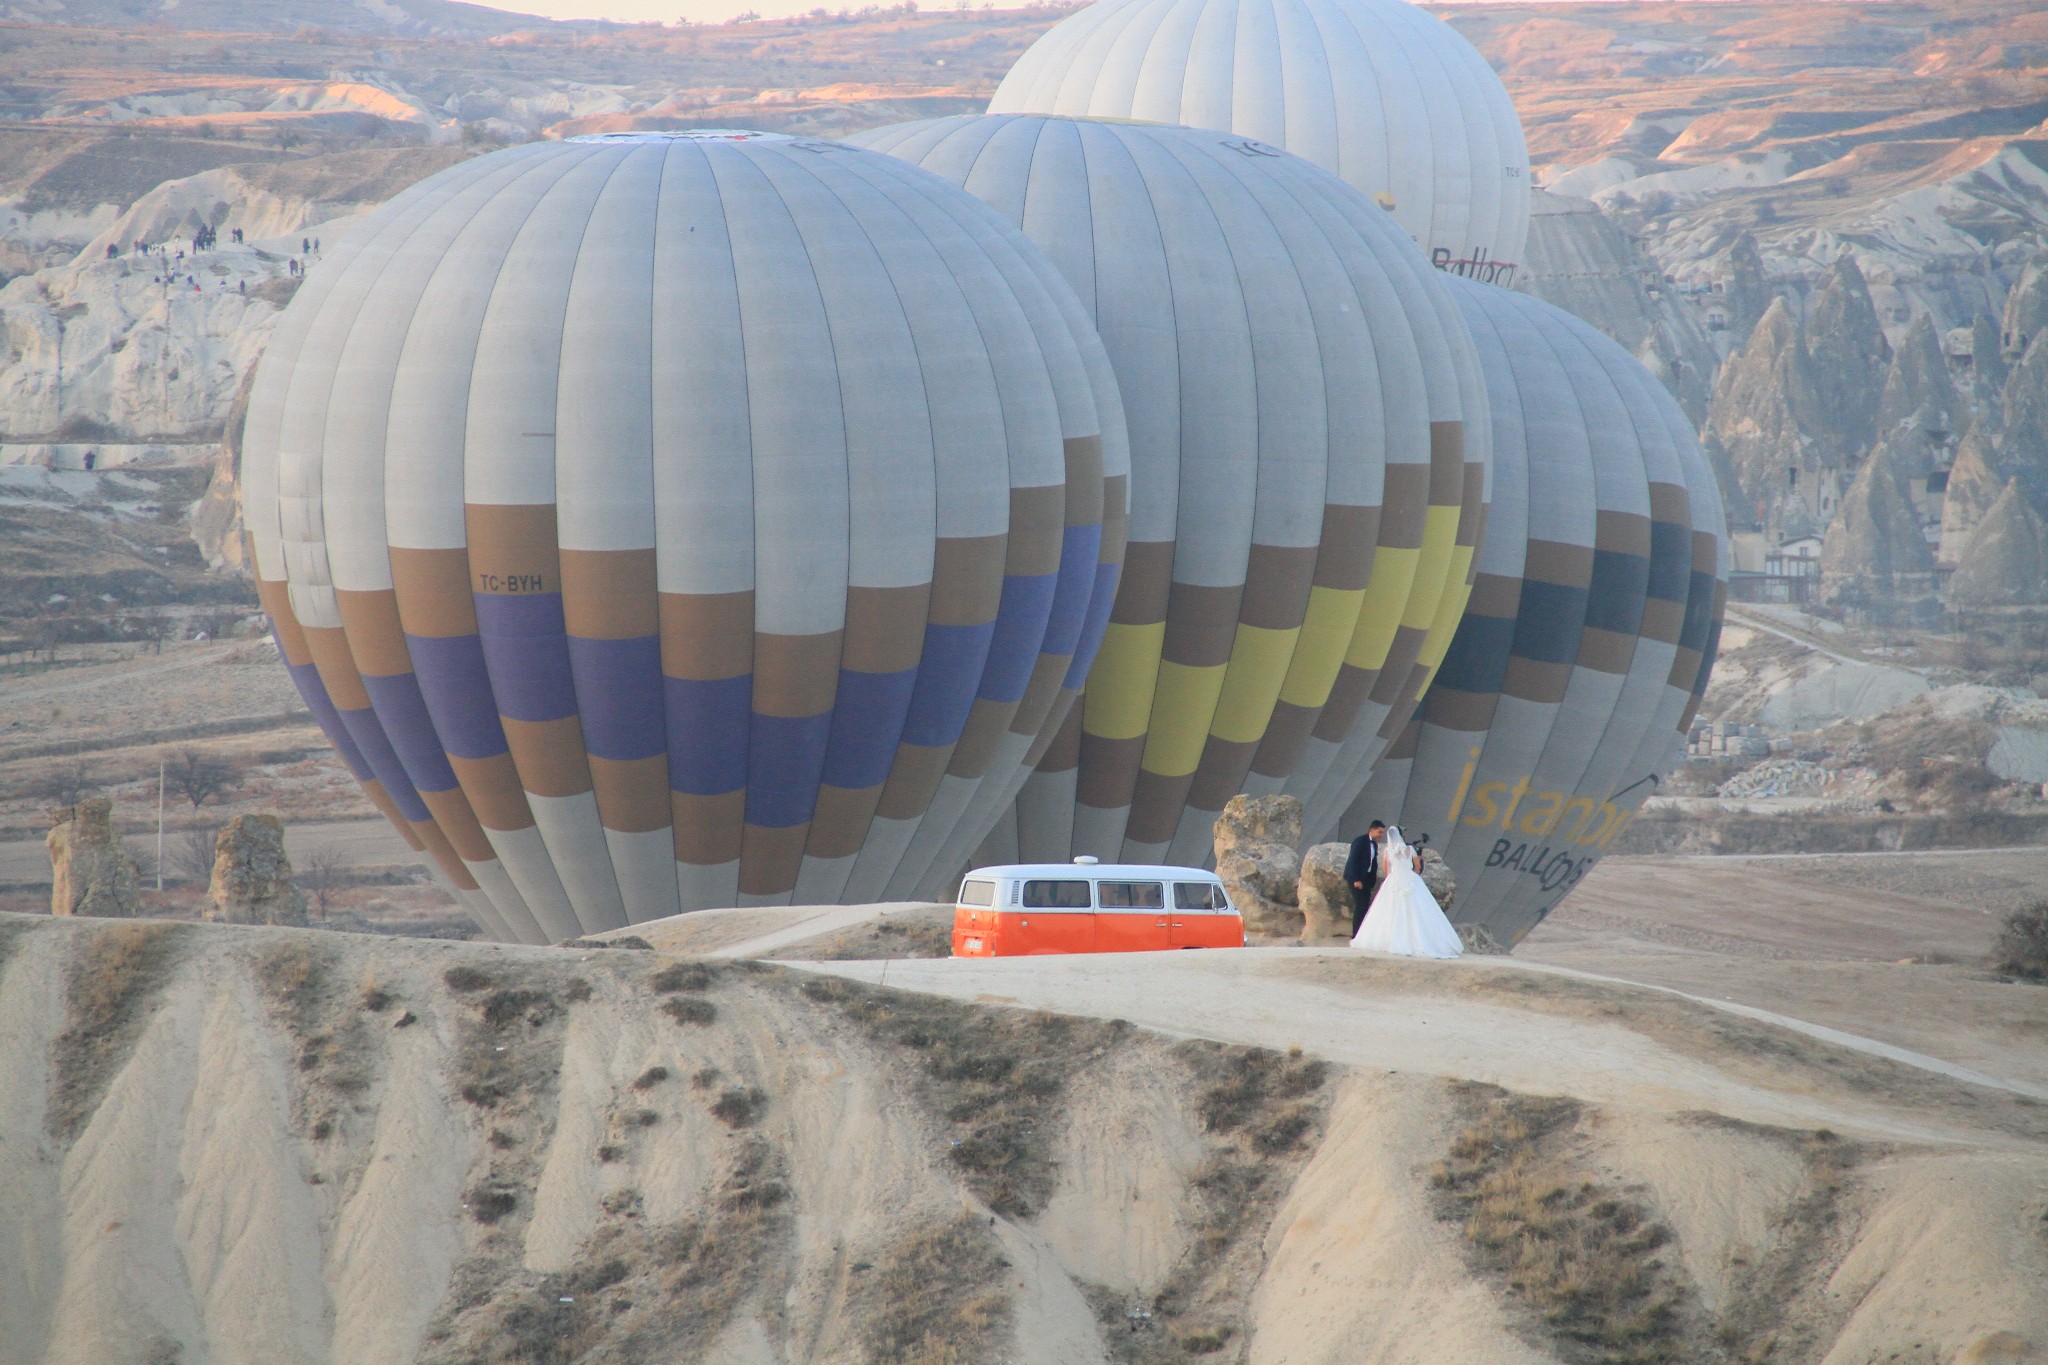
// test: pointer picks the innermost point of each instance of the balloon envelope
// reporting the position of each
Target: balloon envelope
(1308, 461)
(1592, 628)
(1389, 97)
(667, 521)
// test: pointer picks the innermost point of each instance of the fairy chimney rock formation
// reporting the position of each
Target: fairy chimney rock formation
(90, 873)
(1850, 357)
(1257, 838)
(2005, 561)
(1875, 552)
(1918, 390)
(1766, 414)
(1973, 487)
(1321, 895)
(252, 877)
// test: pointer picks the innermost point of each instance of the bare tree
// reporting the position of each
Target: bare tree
(200, 778)
(67, 786)
(190, 855)
(320, 876)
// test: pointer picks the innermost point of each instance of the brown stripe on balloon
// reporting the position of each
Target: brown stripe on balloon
(770, 858)
(913, 780)
(1706, 553)
(1405, 745)
(1446, 464)
(376, 639)
(1685, 669)
(1621, 532)
(439, 848)
(386, 807)
(707, 827)
(1407, 494)
(1084, 480)
(1276, 583)
(632, 794)
(432, 591)
(549, 755)
(275, 597)
(986, 721)
(1039, 693)
(609, 594)
(512, 547)
(1344, 554)
(1555, 561)
(885, 628)
(796, 675)
(492, 786)
(1220, 774)
(1109, 768)
(329, 647)
(1663, 620)
(1063, 752)
(1156, 804)
(1348, 696)
(1405, 705)
(1670, 502)
(1146, 583)
(1201, 625)
(1495, 595)
(1038, 518)
(1453, 710)
(1286, 732)
(839, 825)
(1116, 509)
(706, 636)
(458, 822)
(1532, 680)
(967, 579)
(1399, 670)
(1606, 651)
(1065, 710)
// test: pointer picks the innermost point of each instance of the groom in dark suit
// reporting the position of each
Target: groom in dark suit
(1362, 871)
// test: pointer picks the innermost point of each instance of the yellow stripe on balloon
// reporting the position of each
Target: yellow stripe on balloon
(1182, 707)
(1449, 612)
(1386, 599)
(1432, 575)
(1118, 702)
(1325, 634)
(1258, 665)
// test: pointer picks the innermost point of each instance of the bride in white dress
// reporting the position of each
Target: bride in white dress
(1404, 918)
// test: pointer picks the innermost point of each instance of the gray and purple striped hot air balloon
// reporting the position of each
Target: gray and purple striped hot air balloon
(1592, 629)
(660, 521)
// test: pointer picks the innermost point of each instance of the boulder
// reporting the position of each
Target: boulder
(252, 877)
(1256, 842)
(1321, 895)
(90, 873)
(1436, 875)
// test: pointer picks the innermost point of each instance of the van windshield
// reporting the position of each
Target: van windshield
(1061, 895)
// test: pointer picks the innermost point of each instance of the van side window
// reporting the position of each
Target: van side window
(1199, 896)
(1133, 896)
(977, 893)
(1057, 896)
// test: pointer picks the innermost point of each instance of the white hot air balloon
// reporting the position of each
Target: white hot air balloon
(666, 521)
(1389, 97)
(1594, 619)
(1308, 467)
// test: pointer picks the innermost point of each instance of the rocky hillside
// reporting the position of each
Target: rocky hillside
(238, 1145)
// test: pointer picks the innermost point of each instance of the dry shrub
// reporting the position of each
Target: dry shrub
(112, 980)
(998, 1076)
(490, 1201)
(739, 1106)
(2022, 946)
(683, 976)
(464, 979)
(651, 1077)
(507, 1048)
(689, 1009)
(936, 1298)
(292, 977)
(1583, 1258)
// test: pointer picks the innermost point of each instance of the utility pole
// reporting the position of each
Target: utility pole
(159, 824)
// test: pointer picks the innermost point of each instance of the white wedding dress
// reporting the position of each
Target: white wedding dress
(1404, 918)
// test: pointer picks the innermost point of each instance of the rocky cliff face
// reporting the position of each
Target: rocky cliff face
(1767, 414)
(1874, 554)
(2004, 562)
(90, 873)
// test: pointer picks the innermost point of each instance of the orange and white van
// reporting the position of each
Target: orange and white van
(1028, 909)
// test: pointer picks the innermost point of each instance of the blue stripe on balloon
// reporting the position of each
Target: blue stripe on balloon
(376, 749)
(526, 646)
(1020, 630)
(1670, 561)
(1707, 656)
(402, 711)
(1699, 612)
(1477, 661)
(1615, 601)
(1100, 603)
(867, 720)
(457, 688)
(707, 728)
(1551, 619)
(619, 696)
(307, 679)
(1079, 550)
(785, 761)
(946, 674)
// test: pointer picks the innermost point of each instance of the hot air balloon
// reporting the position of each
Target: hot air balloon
(1308, 469)
(1389, 97)
(659, 521)
(1592, 628)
